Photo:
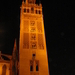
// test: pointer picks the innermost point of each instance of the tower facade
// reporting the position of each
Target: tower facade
(33, 54)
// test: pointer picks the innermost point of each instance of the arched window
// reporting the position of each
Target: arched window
(31, 65)
(32, 10)
(4, 69)
(39, 12)
(24, 10)
(27, 10)
(37, 65)
(36, 11)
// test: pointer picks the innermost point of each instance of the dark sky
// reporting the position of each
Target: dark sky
(59, 30)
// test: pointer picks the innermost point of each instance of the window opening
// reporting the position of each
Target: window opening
(39, 12)
(33, 55)
(31, 65)
(27, 10)
(36, 12)
(37, 66)
(32, 10)
(24, 9)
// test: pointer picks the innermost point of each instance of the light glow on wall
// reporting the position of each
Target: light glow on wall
(0, 69)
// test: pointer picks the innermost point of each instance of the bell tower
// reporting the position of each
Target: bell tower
(33, 53)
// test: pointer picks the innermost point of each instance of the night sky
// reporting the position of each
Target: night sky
(59, 30)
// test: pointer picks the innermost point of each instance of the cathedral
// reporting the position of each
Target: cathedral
(32, 58)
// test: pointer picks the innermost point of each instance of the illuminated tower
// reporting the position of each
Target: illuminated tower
(33, 54)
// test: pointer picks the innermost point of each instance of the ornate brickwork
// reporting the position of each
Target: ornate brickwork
(40, 41)
(26, 40)
(26, 26)
(33, 45)
(33, 36)
(39, 27)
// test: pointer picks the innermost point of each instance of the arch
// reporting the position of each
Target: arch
(4, 69)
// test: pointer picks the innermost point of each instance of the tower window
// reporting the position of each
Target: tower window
(31, 65)
(37, 65)
(36, 12)
(27, 10)
(37, 68)
(39, 12)
(33, 55)
(24, 9)
(32, 10)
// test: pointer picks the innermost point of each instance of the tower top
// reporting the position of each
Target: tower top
(31, 1)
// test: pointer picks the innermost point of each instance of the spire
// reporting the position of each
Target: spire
(15, 51)
(15, 45)
(14, 59)
(0, 54)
